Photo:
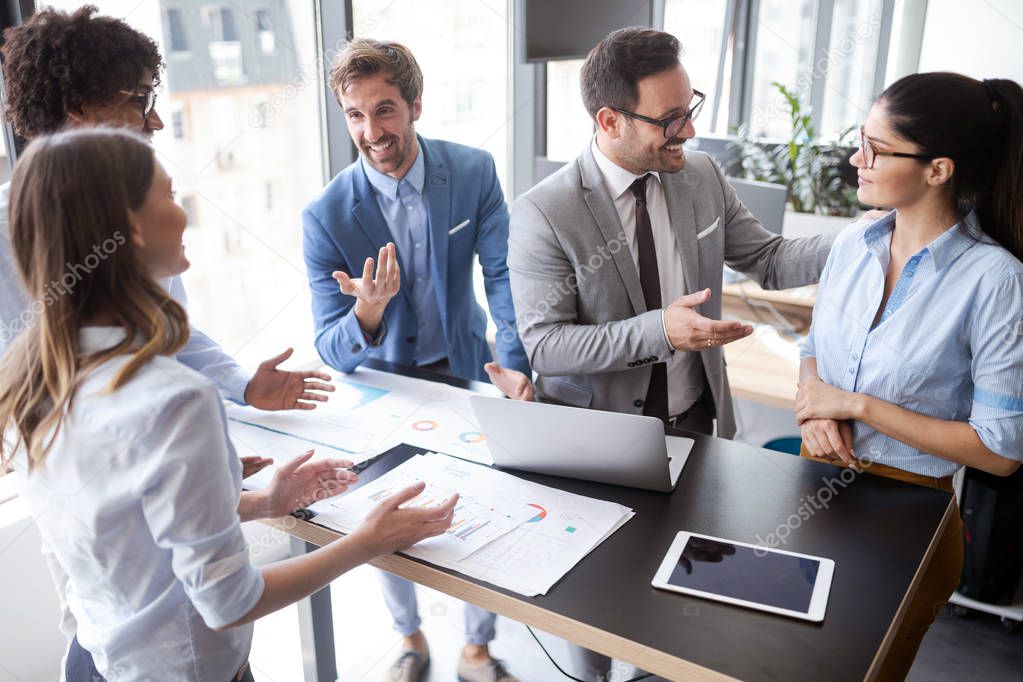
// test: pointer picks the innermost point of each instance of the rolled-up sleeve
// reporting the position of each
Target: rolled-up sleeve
(997, 368)
(190, 503)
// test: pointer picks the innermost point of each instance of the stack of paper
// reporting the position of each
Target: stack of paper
(369, 412)
(515, 534)
(512, 533)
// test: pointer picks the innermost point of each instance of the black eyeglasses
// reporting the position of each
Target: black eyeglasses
(672, 125)
(870, 152)
(146, 99)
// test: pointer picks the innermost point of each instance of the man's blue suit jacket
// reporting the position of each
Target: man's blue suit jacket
(344, 226)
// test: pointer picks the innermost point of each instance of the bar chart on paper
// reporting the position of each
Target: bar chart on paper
(353, 395)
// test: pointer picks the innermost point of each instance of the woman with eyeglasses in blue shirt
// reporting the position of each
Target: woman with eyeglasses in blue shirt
(913, 367)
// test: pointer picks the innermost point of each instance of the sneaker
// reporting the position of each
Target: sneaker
(409, 667)
(491, 671)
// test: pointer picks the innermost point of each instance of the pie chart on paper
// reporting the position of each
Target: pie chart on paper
(540, 516)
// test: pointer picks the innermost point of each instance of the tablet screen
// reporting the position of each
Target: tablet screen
(739, 572)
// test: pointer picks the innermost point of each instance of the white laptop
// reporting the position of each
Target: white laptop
(607, 447)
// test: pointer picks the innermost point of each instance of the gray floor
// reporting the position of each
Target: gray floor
(974, 648)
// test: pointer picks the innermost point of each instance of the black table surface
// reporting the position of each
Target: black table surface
(876, 530)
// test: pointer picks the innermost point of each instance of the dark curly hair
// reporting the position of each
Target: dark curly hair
(56, 62)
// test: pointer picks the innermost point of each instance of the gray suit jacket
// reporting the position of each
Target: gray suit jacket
(578, 301)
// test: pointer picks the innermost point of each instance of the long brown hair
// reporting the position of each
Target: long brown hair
(70, 198)
(979, 125)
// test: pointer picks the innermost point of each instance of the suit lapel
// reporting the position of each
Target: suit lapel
(682, 216)
(367, 214)
(437, 188)
(603, 210)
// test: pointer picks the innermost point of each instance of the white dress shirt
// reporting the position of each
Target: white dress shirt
(684, 369)
(138, 501)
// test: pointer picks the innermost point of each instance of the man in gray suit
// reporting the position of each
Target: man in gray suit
(616, 260)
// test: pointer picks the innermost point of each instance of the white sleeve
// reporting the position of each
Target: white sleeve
(189, 498)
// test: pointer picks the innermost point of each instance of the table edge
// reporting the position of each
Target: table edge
(517, 608)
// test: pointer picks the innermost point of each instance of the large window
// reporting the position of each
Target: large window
(784, 50)
(569, 126)
(246, 156)
(851, 61)
(700, 26)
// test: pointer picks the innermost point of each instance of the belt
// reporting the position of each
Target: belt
(699, 406)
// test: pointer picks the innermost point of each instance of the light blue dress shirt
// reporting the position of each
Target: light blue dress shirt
(949, 343)
(407, 215)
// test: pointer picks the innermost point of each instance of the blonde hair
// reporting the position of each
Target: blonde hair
(363, 57)
(70, 198)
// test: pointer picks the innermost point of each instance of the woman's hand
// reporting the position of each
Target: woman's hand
(829, 439)
(512, 383)
(818, 400)
(389, 527)
(299, 483)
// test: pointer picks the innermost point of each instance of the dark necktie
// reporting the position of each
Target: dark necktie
(656, 404)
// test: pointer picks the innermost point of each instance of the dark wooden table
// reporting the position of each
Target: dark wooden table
(880, 533)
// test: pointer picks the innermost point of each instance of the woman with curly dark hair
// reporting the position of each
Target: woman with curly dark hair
(78, 68)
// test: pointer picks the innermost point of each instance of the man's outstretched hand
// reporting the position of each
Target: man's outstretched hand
(512, 383)
(277, 389)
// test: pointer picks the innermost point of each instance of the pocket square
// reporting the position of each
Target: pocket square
(459, 227)
(707, 230)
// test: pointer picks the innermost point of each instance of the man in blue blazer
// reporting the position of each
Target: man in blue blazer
(439, 203)
(389, 248)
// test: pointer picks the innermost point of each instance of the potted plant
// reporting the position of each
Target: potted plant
(809, 168)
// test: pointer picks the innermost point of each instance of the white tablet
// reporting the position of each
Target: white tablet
(753, 576)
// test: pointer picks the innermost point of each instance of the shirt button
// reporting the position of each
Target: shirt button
(419, 279)
(852, 371)
(419, 245)
(855, 356)
(637, 402)
(408, 208)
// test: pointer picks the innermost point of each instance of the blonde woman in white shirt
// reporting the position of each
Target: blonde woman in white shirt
(123, 451)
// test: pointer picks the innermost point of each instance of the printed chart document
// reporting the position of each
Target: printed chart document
(368, 413)
(518, 535)
(536, 555)
(483, 512)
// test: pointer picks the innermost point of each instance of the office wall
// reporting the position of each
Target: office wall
(978, 39)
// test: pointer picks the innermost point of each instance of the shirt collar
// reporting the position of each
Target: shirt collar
(388, 186)
(617, 179)
(95, 339)
(944, 250)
